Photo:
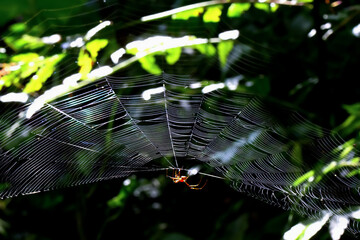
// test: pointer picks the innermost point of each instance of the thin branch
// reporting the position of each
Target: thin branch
(171, 12)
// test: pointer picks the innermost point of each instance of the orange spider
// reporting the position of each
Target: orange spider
(178, 178)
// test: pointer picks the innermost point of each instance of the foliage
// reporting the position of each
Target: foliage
(313, 73)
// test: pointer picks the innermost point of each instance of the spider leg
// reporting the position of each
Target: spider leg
(196, 186)
(177, 172)
(172, 178)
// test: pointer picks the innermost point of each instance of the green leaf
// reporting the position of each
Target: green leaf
(33, 86)
(31, 42)
(119, 200)
(173, 55)
(346, 151)
(18, 27)
(236, 9)
(353, 109)
(126, 191)
(46, 70)
(31, 63)
(212, 14)
(206, 49)
(148, 63)
(3, 56)
(29, 68)
(85, 62)
(274, 7)
(25, 57)
(132, 51)
(262, 6)
(328, 168)
(188, 14)
(304, 178)
(9, 79)
(25, 42)
(224, 48)
(354, 172)
(352, 123)
(95, 46)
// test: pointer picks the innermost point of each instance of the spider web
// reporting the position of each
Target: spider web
(101, 133)
(110, 129)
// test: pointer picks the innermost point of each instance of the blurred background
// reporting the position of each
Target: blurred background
(301, 54)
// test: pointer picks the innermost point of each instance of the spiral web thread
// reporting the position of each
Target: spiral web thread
(108, 130)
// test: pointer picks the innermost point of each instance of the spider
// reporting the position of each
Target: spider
(178, 178)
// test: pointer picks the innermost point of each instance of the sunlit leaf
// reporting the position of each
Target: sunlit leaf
(25, 42)
(206, 49)
(353, 109)
(85, 62)
(87, 57)
(9, 79)
(346, 151)
(306, 230)
(132, 51)
(33, 86)
(126, 191)
(148, 63)
(236, 9)
(262, 6)
(354, 172)
(352, 123)
(45, 71)
(17, 27)
(212, 14)
(26, 66)
(95, 46)
(188, 14)
(28, 69)
(173, 55)
(25, 57)
(274, 7)
(31, 67)
(224, 48)
(337, 226)
(32, 42)
(304, 178)
(118, 200)
(330, 167)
